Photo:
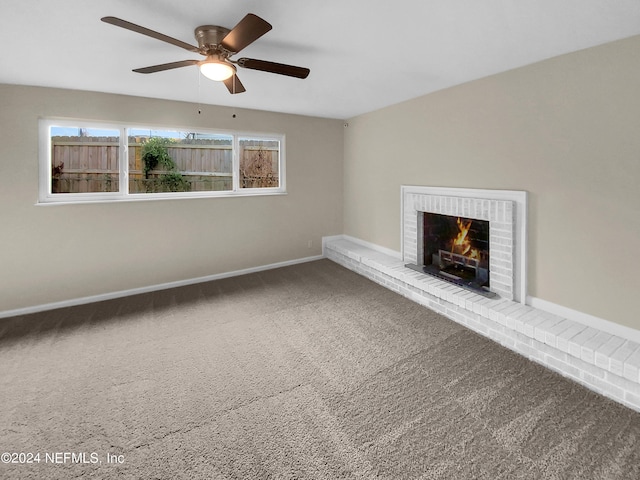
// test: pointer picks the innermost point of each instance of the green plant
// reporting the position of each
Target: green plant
(155, 153)
(173, 182)
(106, 182)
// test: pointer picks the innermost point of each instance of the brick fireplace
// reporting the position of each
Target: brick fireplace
(505, 210)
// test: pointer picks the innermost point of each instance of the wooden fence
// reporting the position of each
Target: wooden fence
(84, 164)
(90, 164)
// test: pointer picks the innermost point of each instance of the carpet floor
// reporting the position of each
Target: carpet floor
(303, 372)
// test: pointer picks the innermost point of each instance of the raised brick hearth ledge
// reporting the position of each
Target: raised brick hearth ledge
(605, 363)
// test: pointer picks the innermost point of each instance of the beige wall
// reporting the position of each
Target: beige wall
(61, 252)
(567, 130)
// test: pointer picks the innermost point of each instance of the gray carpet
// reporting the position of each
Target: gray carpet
(304, 372)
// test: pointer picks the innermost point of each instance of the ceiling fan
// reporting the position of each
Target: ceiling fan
(218, 45)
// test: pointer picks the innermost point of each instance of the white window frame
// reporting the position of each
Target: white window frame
(45, 195)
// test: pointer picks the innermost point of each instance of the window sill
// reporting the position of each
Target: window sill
(142, 197)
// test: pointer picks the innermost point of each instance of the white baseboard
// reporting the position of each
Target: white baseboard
(151, 288)
(585, 319)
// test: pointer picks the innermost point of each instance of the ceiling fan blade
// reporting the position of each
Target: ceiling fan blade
(234, 85)
(150, 33)
(247, 31)
(272, 67)
(166, 66)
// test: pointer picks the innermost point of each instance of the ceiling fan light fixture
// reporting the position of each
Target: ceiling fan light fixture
(216, 69)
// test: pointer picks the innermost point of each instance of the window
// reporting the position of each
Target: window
(177, 161)
(84, 161)
(259, 163)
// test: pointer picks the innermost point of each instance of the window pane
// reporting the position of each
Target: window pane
(259, 163)
(175, 161)
(84, 160)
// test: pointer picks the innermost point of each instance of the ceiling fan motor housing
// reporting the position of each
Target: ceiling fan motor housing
(210, 37)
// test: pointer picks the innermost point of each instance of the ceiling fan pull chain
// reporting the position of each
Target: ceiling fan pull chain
(199, 94)
(234, 91)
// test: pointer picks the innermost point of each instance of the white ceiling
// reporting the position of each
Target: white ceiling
(362, 55)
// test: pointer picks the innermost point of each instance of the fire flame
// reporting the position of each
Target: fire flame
(461, 243)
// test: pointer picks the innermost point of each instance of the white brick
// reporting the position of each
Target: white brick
(456, 206)
(631, 369)
(626, 385)
(520, 338)
(590, 347)
(503, 271)
(504, 291)
(451, 294)
(477, 304)
(633, 400)
(470, 301)
(495, 262)
(576, 342)
(502, 240)
(498, 306)
(548, 351)
(462, 297)
(616, 365)
(437, 307)
(509, 210)
(531, 321)
(585, 367)
(498, 234)
(563, 368)
(604, 352)
(552, 333)
(562, 340)
(505, 314)
(503, 227)
(497, 278)
(540, 331)
(515, 314)
(602, 386)
(521, 321)
(468, 314)
(500, 248)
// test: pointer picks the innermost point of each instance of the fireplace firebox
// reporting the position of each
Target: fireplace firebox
(456, 249)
